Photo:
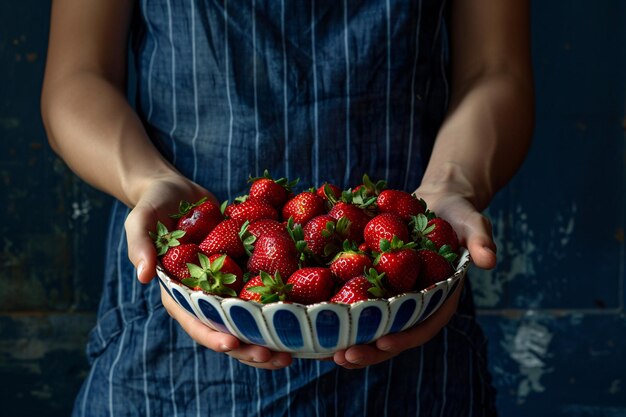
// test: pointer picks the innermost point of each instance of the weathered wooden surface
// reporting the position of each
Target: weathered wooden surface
(553, 309)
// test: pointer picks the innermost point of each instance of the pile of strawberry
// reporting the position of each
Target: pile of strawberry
(323, 244)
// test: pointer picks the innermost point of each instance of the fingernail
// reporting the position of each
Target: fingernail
(384, 347)
(357, 361)
(225, 348)
(140, 268)
(488, 249)
(277, 363)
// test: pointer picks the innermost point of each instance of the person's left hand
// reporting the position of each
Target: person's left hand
(474, 232)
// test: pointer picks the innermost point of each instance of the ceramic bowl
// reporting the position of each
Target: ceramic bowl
(316, 330)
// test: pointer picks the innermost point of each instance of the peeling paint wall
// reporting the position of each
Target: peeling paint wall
(51, 236)
(553, 310)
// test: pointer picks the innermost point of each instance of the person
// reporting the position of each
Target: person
(432, 96)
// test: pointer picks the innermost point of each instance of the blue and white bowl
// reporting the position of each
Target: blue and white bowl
(317, 330)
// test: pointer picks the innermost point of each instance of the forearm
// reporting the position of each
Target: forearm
(485, 137)
(87, 118)
(95, 131)
(488, 128)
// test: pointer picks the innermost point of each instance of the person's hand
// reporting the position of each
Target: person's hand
(474, 232)
(159, 198)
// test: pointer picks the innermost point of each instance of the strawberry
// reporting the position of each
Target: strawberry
(443, 234)
(328, 191)
(260, 227)
(217, 274)
(360, 288)
(399, 202)
(251, 232)
(164, 239)
(250, 210)
(370, 188)
(265, 289)
(400, 264)
(357, 208)
(224, 238)
(303, 207)
(247, 295)
(197, 219)
(176, 259)
(311, 285)
(435, 266)
(385, 226)
(322, 232)
(435, 229)
(271, 191)
(357, 217)
(349, 263)
(273, 252)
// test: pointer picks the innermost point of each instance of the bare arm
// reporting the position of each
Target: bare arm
(88, 120)
(480, 145)
(96, 132)
(488, 130)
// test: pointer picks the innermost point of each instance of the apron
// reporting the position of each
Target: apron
(321, 90)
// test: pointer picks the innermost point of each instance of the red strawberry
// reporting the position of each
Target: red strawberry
(323, 232)
(357, 208)
(357, 217)
(399, 202)
(303, 207)
(349, 263)
(265, 289)
(443, 234)
(360, 288)
(435, 229)
(327, 190)
(385, 226)
(197, 219)
(164, 239)
(217, 274)
(273, 252)
(311, 285)
(260, 227)
(176, 259)
(251, 210)
(400, 264)
(246, 294)
(370, 188)
(224, 238)
(273, 192)
(228, 266)
(251, 232)
(435, 266)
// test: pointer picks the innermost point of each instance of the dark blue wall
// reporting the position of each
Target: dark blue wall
(553, 309)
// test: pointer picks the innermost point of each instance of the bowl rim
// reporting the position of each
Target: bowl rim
(463, 264)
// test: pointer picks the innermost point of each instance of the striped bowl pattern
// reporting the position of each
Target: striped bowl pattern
(317, 330)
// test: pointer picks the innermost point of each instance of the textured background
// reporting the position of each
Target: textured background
(553, 309)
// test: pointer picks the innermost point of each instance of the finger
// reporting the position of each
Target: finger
(477, 233)
(276, 360)
(361, 356)
(141, 250)
(198, 331)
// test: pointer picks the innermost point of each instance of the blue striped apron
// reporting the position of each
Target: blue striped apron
(322, 90)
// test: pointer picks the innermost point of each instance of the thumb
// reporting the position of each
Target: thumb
(141, 250)
(476, 231)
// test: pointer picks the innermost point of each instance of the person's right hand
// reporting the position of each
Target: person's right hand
(159, 198)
